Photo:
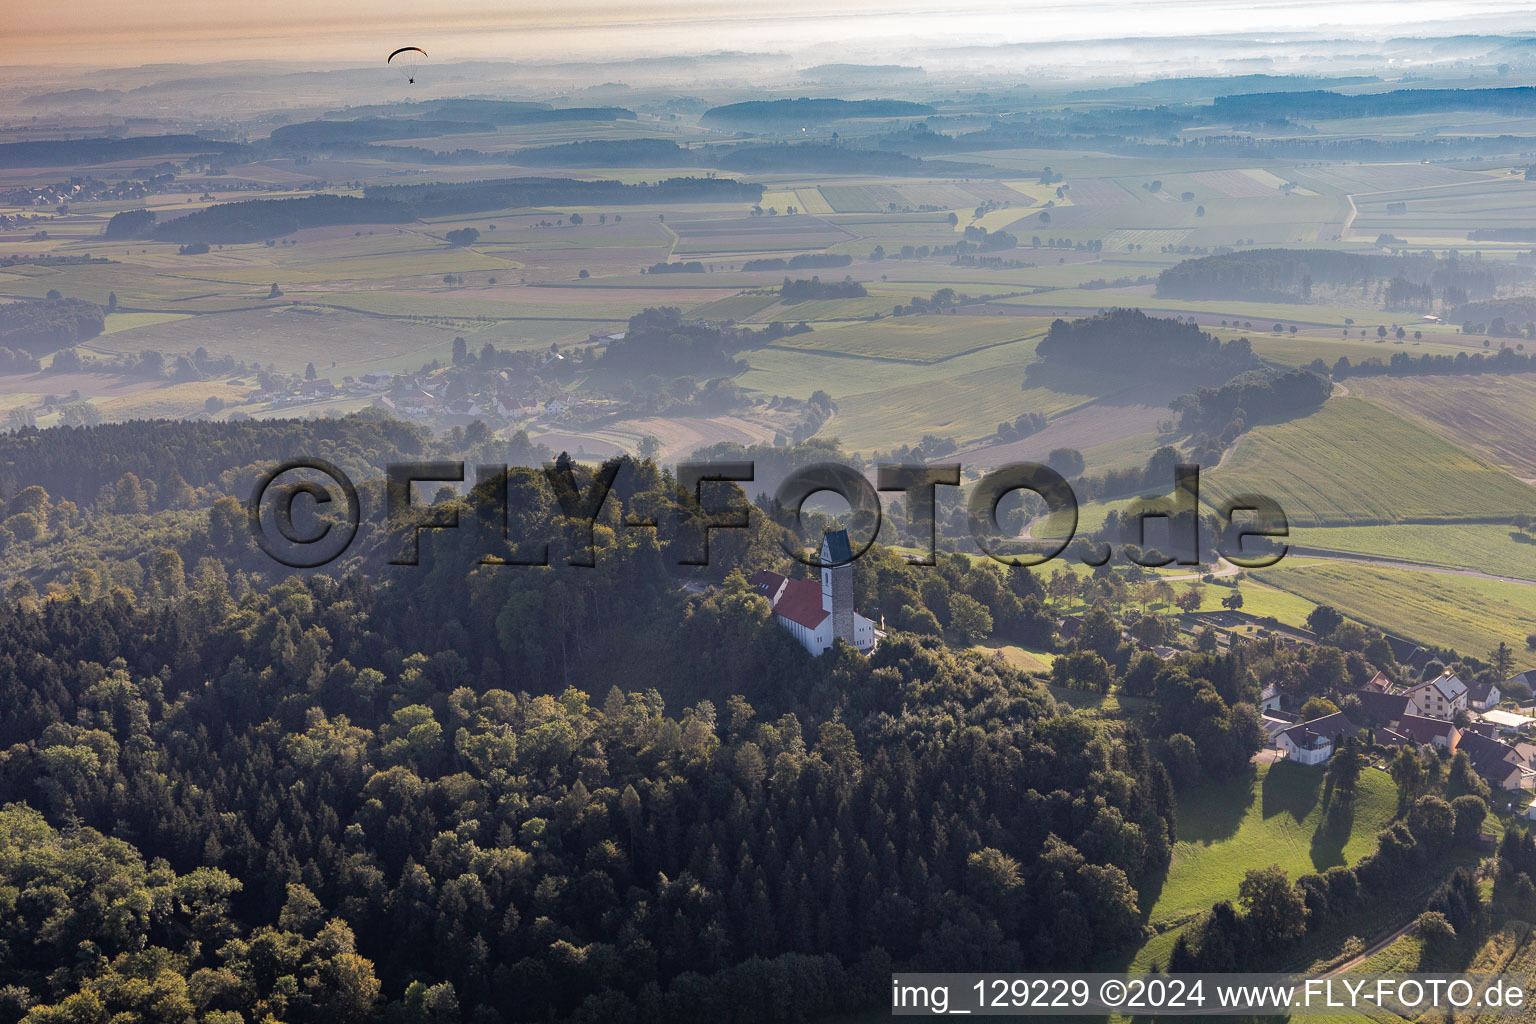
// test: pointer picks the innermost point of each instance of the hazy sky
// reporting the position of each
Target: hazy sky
(120, 34)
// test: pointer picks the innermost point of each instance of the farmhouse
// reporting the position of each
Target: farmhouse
(317, 388)
(818, 615)
(1428, 732)
(1314, 742)
(1379, 683)
(1381, 708)
(1497, 762)
(1482, 696)
(1441, 697)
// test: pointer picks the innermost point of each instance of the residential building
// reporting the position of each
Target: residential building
(1381, 708)
(1314, 742)
(1273, 726)
(1440, 697)
(1482, 696)
(1379, 683)
(1497, 762)
(1428, 732)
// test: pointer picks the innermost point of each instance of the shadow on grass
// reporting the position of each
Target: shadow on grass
(1150, 891)
(1291, 788)
(1207, 814)
(1213, 811)
(1335, 829)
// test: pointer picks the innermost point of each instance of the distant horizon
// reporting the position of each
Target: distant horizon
(109, 36)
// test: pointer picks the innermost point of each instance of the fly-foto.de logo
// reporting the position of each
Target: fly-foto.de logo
(332, 512)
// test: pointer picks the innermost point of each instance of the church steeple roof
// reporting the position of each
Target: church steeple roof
(835, 545)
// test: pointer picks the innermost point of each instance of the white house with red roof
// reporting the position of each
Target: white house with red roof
(818, 615)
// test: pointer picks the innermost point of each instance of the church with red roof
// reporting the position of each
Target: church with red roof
(819, 614)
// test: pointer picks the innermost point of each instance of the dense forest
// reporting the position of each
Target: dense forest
(131, 224)
(1144, 345)
(70, 152)
(86, 464)
(660, 340)
(440, 199)
(607, 153)
(679, 267)
(323, 796)
(800, 261)
(1290, 275)
(801, 290)
(811, 157)
(1515, 312)
(1257, 396)
(257, 219)
(470, 791)
(40, 326)
(764, 114)
(321, 134)
(1323, 104)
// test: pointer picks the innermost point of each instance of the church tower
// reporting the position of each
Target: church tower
(837, 583)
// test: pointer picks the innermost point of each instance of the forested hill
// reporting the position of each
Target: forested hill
(475, 117)
(258, 219)
(506, 793)
(446, 198)
(768, 113)
(1145, 346)
(39, 326)
(309, 134)
(608, 153)
(77, 463)
(65, 152)
(816, 157)
(1291, 275)
(1324, 104)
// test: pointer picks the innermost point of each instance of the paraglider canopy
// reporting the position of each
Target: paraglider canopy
(407, 59)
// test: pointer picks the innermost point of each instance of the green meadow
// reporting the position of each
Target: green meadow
(1282, 814)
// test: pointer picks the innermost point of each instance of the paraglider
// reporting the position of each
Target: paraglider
(407, 59)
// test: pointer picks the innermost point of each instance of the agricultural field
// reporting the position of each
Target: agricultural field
(922, 339)
(1495, 549)
(1354, 463)
(1468, 613)
(1019, 657)
(966, 405)
(1494, 416)
(1305, 346)
(730, 236)
(678, 435)
(343, 342)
